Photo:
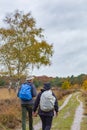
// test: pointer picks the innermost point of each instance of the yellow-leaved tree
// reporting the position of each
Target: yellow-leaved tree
(22, 44)
(84, 85)
(66, 85)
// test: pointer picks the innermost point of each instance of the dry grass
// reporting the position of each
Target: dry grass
(10, 112)
(61, 93)
(4, 94)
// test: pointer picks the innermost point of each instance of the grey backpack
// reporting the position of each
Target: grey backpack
(47, 101)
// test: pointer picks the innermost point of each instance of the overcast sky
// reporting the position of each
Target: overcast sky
(65, 25)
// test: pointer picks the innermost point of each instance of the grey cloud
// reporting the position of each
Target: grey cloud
(64, 24)
(64, 15)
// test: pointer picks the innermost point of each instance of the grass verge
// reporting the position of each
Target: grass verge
(66, 115)
(84, 119)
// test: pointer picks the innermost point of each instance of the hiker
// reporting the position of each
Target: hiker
(17, 85)
(9, 87)
(27, 104)
(46, 110)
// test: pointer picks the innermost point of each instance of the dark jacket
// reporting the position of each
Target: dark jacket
(34, 94)
(40, 112)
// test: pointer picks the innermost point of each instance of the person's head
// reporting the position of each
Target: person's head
(29, 78)
(47, 86)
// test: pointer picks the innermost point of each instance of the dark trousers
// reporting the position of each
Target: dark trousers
(27, 108)
(46, 122)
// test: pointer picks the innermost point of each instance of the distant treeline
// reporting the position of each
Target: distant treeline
(55, 82)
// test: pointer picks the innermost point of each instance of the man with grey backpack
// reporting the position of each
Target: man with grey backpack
(47, 103)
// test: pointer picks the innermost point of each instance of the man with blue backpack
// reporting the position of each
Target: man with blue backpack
(26, 93)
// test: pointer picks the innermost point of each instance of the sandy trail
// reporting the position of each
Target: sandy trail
(37, 126)
(78, 116)
(65, 102)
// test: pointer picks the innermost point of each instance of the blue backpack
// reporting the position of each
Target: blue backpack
(25, 92)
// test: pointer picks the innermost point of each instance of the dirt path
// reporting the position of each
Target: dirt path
(78, 116)
(65, 102)
(37, 126)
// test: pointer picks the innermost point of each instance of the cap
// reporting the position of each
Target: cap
(47, 86)
(29, 77)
